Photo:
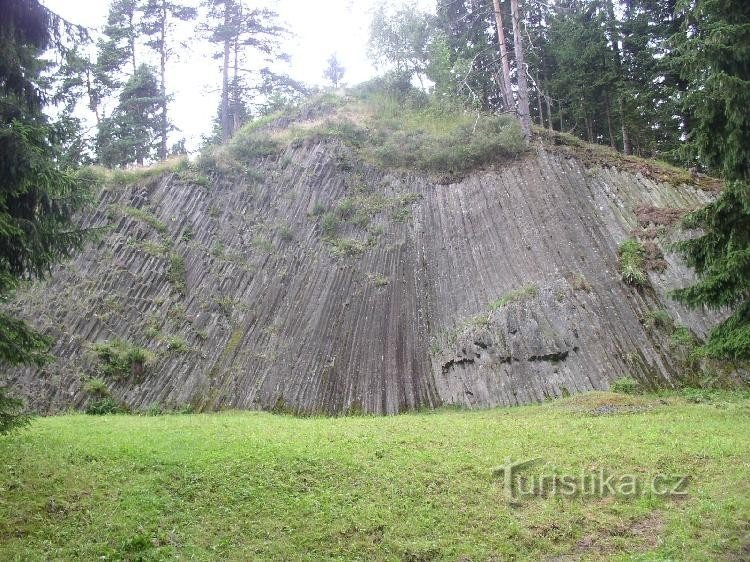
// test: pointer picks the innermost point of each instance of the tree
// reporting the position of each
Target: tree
(37, 198)
(117, 46)
(401, 39)
(239, 30)
(714, 50)
(505, 83)
(158, 24)
(130, 133)
(464, 62)
(523, 89)
(334, 72)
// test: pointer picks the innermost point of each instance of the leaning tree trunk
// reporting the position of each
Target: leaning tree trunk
(505, 63)
(523, 89)
(226, 122)
(163, 62)
(235, 101)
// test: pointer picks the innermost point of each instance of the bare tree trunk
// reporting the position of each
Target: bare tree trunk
(539, 100)
(505, 88)
(614, 37)
(93, 101)
(236, 90)
(163, 68)
(627, 147)
(225, 117)
(523, 89)
(549, 112)
(131, 41)
(612, 142)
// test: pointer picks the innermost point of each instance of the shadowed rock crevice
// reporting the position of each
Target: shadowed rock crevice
(321, 283)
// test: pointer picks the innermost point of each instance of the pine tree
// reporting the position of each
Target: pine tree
(158, 24)
(239, 31)
(37, 198)
(130, 133)
(714, 50)
(117, 48)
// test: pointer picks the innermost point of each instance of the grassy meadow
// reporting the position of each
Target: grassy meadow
(258, 486)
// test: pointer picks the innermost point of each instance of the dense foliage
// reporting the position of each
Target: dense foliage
(604, 70)
(716, 55)
(37, 196)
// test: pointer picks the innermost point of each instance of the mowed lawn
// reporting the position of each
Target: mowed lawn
(258, 486)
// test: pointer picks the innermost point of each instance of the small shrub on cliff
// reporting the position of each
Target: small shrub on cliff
(342, 247)
(97, 387)
(329, 223)
(176, 273)
(177, 344)
(659, 319)
(632, 259)
(682, 339)
(120, 359)
(146, 216)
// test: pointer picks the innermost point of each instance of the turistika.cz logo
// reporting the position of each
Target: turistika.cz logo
(596, 483)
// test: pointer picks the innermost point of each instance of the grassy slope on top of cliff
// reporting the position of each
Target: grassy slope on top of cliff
(411, 487)
(408, 133)
(601, 155)
(401, 133)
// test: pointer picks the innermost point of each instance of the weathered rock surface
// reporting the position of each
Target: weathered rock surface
(273, 319)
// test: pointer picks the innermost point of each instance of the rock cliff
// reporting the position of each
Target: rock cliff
(322, 283)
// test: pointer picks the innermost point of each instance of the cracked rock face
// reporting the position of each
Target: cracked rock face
(500, 289)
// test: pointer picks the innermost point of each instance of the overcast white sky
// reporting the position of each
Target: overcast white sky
(321, 27)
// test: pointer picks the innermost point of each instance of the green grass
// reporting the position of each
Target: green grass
(381, 128)
(632, 258)
(143, 215)
(521, 294)
(177, 273)
(430, 138)
(98, 175)
(257, 486)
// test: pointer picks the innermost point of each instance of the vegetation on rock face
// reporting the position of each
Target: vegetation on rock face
(515, 296)
(433, 138)
(176, 273)
(632, 258)
(120, 359)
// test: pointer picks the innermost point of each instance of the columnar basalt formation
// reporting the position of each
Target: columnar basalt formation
(501, 288)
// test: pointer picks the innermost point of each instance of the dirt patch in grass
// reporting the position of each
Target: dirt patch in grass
(644, 532)
(607, 403)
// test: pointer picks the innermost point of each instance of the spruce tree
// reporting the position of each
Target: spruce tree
(714, 51)
(37, 198)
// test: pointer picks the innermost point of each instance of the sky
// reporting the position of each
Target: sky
(320, 28)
